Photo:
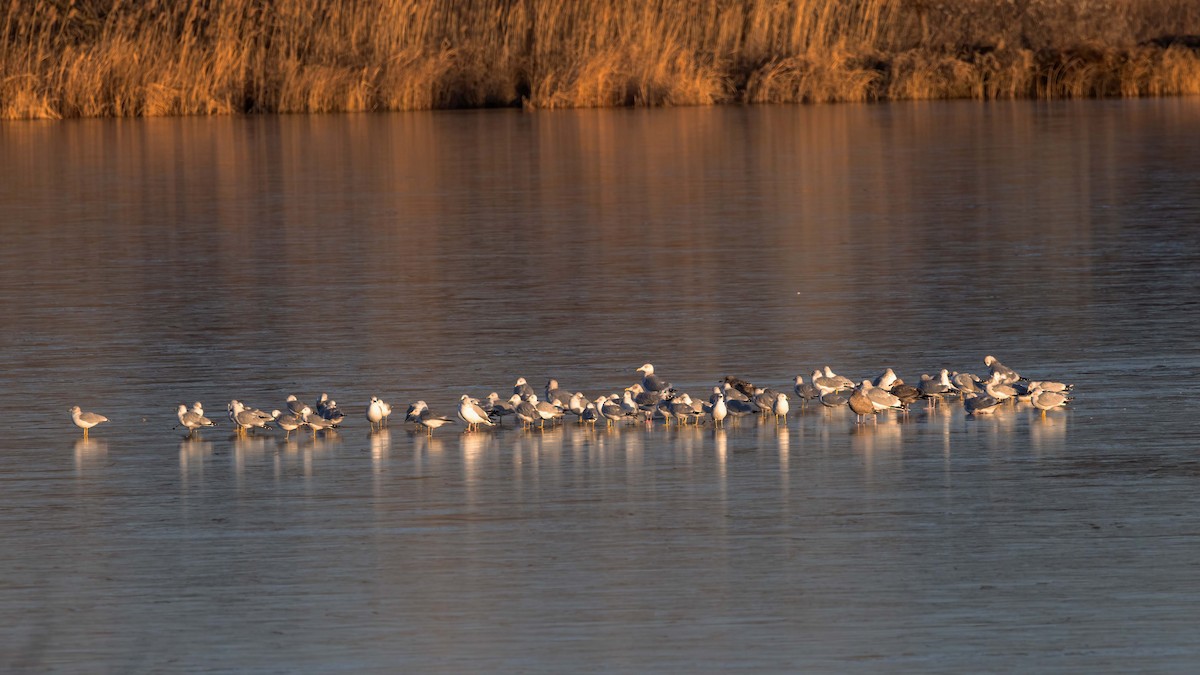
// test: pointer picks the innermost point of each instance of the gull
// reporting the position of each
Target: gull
(719, 410)
(545, 411)
(980, 405)
(1005, 374)
(731, 393)
(522, 388)
(415, 410)
(498, 408)
(907, 393)
(804, 392)
(764, 400)
(1056, 387)
(741, 385)
(628, 405)
(198, 408)
(886, 379)
(1047, 400)
(294, 405)
(247, 418)
(288, 422)
(826, 384)
(322, 404)
(935, 389)
(781, 407)
(192, 421)
(85, 420)
(590, 416)
(332, 413)
(880, 398)
(645, 399)
(860, 403)
(738, 408)
(834, 399)
(315, 422)
(843, 381)
(679, 407)
(577, 405)
(553, 392)
(375, 412)
(524, 411)
(650, 381)
(966, 383)
(1000, 392)
(610, 411)
(386, 408)
(472, 414)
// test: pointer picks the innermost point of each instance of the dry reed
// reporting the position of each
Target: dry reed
(73, 58)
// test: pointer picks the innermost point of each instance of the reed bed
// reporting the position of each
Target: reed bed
(85, 58)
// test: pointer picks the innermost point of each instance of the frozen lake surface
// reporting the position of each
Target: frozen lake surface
(422, 256)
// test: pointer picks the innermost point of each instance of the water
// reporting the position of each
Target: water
(151, 263)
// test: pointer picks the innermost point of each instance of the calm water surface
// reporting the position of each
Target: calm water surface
(422, 256)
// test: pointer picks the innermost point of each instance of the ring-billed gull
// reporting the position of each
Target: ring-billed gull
(190, 420)
(315, 422)
(472, 414)
(414, 411)
(804, 392)
(497, 407)
(880, 398)
(764, 400)
(85, 420)
(430, 421)
(781, 407)
(609, 410)
(1047, 400)
(976, 405)
(545, 411)
(247, 418)
(825, 384)
(375, 412)
(590, 416)
(885, 380)
(294, 405)
(842, 381)
(288, 422)
(1002, 373)
(719, 410)
(577, 405)
(524, 411)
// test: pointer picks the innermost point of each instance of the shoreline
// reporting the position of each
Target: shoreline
(101, 59)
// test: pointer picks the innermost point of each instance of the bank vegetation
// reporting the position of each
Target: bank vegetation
(84, 58)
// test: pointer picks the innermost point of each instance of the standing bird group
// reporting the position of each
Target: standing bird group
(652, 397)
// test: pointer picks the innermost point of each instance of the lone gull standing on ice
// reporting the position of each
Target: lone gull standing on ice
(85, 420)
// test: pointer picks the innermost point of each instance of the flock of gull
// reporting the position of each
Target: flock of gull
(652, 398)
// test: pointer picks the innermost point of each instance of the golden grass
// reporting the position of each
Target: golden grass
(73, 58)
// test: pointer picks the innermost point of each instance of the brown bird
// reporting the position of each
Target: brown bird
(861, 404)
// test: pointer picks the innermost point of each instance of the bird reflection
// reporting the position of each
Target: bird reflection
(869, 439)
(193, 453)
(1047, 435)
(90, 453)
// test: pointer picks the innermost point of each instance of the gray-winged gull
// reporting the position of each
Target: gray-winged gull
(86, 420)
